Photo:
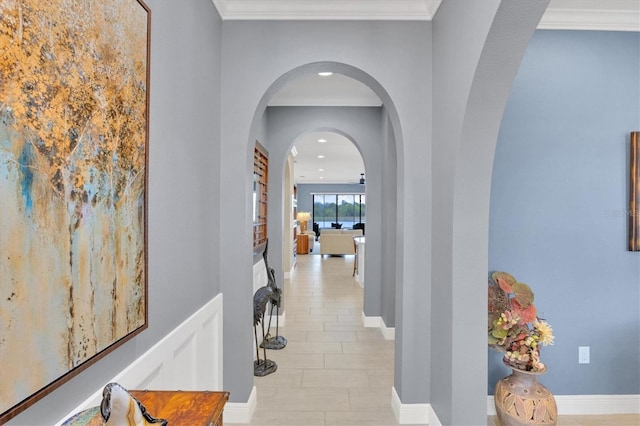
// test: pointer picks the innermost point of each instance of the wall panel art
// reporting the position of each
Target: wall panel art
(73, 175)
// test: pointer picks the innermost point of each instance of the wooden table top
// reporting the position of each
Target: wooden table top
(183, 407)
(179, 408)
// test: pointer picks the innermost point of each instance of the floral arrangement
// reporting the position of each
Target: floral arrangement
(514, 327)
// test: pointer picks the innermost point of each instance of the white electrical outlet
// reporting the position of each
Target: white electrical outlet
(584, 355)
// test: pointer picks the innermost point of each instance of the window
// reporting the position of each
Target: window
(347, 209)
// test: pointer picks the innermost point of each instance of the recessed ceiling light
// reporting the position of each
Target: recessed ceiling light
(321, 177)
(322, 140)
(320, 156)
(325, 73)
(321, 170)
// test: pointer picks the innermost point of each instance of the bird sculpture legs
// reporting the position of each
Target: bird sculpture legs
(265, 367)
(274, 342)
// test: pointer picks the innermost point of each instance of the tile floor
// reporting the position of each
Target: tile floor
(334, 371)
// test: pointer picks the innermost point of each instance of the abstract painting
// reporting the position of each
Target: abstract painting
(73, 176)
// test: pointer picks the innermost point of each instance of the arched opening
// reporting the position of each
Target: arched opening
(328, 166)
(320, 161)
(373, 130)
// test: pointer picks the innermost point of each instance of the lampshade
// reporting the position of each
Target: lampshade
(303, 216)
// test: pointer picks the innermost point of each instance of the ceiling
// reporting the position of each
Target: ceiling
(342, 162)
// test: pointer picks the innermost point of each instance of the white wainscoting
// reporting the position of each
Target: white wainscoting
(188, 358)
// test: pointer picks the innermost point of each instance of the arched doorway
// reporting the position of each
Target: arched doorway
(372, 131)
(327, 165)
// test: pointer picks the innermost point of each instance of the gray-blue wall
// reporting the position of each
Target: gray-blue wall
(559, 199)
(477, 49)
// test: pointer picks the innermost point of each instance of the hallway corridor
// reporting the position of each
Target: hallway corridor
(333, 371)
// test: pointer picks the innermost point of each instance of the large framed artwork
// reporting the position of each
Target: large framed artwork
(74, 95)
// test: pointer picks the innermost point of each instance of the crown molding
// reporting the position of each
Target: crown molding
(336, 10)
(592, 15)
(591, 19)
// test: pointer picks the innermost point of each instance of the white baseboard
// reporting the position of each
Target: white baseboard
(413, 413)
(389, 333)
(241, 412)
(588, 404)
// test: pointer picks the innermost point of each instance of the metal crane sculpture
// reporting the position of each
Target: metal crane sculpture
(273, 342)
(260, 299)
(262, 296)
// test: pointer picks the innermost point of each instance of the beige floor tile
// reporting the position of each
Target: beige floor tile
(383, 346)
(380, 417)
(369, 399)
(340, 326)
(274, 417)
(314, 347)
(332, 336)
(265, 396)
(329, 310)
(350, 319)
(293, 335)
(312, 399)
(359, 361)
(324, 318)
(335, 378)
(370, 335)
(282, 377)
(295, 309)
(354, 303)
(381, 379)
(303, 326)
(287, 360)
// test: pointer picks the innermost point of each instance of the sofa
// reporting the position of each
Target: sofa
(338, 241)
